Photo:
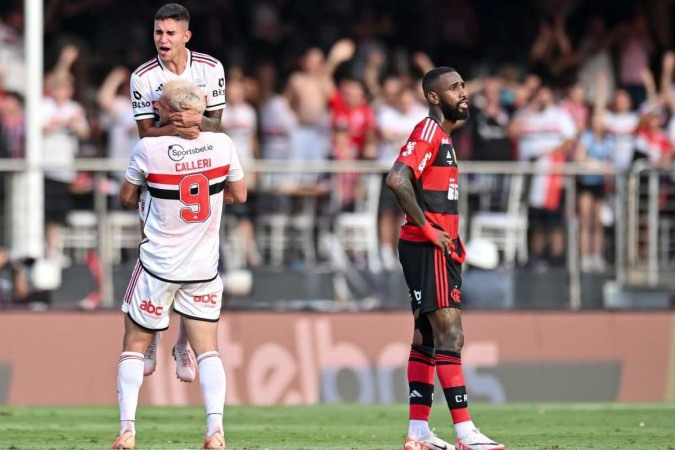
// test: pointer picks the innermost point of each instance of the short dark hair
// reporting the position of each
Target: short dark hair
(430, 78)
(173, 11)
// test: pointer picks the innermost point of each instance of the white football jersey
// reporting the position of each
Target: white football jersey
(544, 131)
(149, 79)
(184, 180)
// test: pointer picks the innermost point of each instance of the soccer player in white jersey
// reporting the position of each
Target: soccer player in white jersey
(187, 182)
(175, 61)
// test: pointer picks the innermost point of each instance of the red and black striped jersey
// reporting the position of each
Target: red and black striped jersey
(431, 156)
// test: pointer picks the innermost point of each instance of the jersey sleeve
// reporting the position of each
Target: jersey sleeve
(141, 98)
(138, 165)
(215, 99)
(236, 172)
(419, 150)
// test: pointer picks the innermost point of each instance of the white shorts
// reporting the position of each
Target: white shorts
(148, 300)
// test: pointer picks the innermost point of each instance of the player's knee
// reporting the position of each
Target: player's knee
(450, 337)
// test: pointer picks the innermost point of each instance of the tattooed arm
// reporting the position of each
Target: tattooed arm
(211, 120)
(399, 181)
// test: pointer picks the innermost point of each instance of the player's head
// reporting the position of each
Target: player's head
(173, 11)
(177, 96)
(172, 23)
(444, 89)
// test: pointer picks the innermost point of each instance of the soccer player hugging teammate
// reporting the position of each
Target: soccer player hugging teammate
(424, 180)
(175, 62)
(187, 181)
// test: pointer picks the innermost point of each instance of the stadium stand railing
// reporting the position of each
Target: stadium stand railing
(643, 210)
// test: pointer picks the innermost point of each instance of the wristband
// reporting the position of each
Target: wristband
(430, 232)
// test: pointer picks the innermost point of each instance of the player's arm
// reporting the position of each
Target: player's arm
(146, 128)
(400, 182)
(235, 185)
(144, 113)
(134, 177)
(130, 194)
(211, 120)
(215, 102)
(235, 192)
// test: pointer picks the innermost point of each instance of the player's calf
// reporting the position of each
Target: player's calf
(150, 355)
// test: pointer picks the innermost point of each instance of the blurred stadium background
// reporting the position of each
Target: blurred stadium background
(316, 308)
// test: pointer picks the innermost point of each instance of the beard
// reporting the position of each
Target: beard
(454, 113)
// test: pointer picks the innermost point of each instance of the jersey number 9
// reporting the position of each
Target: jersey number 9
(194, 193)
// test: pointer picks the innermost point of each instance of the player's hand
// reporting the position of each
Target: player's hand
(186, 119)
(438, 237)
(188, 132)
(444, 242)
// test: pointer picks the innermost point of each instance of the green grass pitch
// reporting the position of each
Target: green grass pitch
(519, 426)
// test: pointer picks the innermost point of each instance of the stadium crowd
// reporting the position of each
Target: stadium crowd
(565, 80)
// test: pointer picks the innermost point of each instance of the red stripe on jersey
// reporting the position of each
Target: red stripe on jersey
(449, 223)
(165, 178)
(145, 64)
(149, 68)
(204, 56)
(436, 178)
(203, 61)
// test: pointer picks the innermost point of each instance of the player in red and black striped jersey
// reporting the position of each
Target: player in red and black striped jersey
(425, 182)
